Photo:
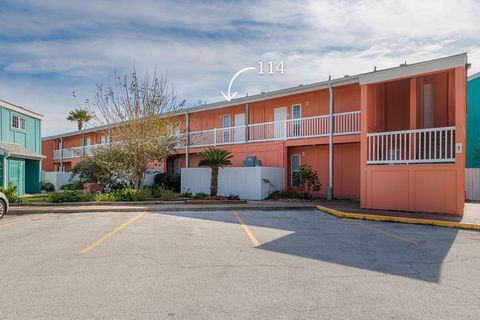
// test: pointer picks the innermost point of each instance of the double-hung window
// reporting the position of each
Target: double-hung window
(295, 170)
(296, 115)
(18, 122)
(226, 128)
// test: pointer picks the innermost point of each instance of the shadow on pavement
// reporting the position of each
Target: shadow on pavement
(322, 237)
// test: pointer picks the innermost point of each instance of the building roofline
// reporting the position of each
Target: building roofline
(402, 71)
(408, 70)
(20, 109)
(474, 76)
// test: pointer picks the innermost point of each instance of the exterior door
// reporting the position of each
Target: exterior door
(16, 174)
(428, 112)
(239, 133)
(280, 125)
(177, 166)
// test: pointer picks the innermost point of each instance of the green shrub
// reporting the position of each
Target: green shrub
(282, 194)
(130, 194)
(69, 196)
(186, 194)
(105, 196)
(11, 193)
(47, 186)
(73, 185)
(169, 180)
(163, 193)
(199, 195)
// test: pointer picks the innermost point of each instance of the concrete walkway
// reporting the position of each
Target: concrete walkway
(351, 209)
(157, 206)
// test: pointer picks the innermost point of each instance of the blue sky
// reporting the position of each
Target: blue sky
(50, 48)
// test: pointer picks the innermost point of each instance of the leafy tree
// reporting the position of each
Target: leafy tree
(80, 116)
(138, 115)
(108, 166)
(309, 181)
(215, 159)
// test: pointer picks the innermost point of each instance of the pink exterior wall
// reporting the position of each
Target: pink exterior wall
(421, 187)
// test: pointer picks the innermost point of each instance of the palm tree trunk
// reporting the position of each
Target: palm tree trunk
(214, 182)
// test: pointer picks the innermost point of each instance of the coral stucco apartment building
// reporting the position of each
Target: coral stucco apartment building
(393, 138)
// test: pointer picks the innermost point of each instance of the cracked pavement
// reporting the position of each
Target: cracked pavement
(201, 265)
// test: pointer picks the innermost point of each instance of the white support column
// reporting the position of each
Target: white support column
(330, 143)
(5, 170)
(61, 154)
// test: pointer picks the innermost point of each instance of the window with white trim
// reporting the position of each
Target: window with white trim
(18, 122)
(295, 170)
(296, 115)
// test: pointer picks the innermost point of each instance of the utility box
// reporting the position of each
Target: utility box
(252, 161)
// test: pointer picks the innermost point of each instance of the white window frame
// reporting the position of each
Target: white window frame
(296, 123)
(179, 161)
(291, 166)
(226, 133)
(297, 105)
(20, 120)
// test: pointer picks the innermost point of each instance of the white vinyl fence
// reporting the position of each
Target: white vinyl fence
(472, 183)
(57, 178)
(250, 183)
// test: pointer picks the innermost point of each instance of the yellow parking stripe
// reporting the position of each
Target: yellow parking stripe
(249, 233)
(2, 225)
(396, 236)
(110, 233)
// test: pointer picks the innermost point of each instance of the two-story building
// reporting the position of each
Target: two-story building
(20, 148)
(393, 138)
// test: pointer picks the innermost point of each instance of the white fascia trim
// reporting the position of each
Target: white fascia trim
(410, 70)
(474, 76)
(17, 109)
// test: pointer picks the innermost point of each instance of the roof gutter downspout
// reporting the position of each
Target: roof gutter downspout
(5, 156)
(330, 142)
(187, 140)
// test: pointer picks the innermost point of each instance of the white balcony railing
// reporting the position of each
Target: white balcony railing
(76, 152)
(319, 126)
(434, 145)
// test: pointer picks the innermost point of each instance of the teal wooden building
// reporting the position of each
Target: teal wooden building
(473, 121)
(20, 148)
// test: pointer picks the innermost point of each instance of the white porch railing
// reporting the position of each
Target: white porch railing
(433, 145)
(318, 126)
(76, 152)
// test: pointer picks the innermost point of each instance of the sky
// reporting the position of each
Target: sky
(51, 48)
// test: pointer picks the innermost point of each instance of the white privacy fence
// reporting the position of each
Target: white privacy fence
(472, 184)
(412, 146)
(251, 183)
(57, 178)
(319, 126)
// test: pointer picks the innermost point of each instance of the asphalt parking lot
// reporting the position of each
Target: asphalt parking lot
(234, 265)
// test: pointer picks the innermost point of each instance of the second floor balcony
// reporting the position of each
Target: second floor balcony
(310, 127)
(302, 128)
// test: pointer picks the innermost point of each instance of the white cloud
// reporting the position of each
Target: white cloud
(55, 47)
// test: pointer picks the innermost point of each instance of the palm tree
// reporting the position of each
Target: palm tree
(215, 159)
(80, 116)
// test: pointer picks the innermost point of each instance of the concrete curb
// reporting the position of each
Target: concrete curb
(96, 203)
(78, 209)
(380, 218)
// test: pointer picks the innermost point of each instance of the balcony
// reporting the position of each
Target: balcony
(311, 127)
(434, 145)
(76, 152)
